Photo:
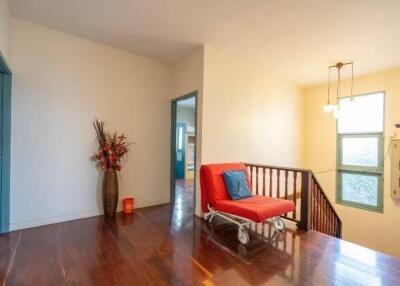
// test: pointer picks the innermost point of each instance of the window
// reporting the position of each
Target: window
(360, 151)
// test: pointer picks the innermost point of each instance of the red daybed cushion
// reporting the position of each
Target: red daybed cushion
(212, 182)
(214, 192)
(256, 208)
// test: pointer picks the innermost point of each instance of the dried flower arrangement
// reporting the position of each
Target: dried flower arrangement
(112, 148)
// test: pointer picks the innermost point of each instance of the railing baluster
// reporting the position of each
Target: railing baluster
(337, 229)
(256, 180)
(328, 213)
(314, 215)
(319, 211)
(294, 193)
(251, 178)
(286, 187)
(312, 206)
(263, 181)
(323, 213)
(286, 184)
(334, 226)
(278, 191)
(270, 182)
(330, 222)
(326, 216)
(317, 207)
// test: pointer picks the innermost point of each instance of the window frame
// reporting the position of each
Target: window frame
(361, 170)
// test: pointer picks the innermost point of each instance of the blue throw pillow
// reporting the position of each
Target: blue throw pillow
(236, 184)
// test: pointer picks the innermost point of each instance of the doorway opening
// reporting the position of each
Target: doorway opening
(183, 153)
(5, 140)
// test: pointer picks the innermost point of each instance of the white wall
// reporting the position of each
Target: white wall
(374, 230)
(249, 113)
(61, 83)
(5, 28)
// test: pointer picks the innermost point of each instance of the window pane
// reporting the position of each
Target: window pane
(362, 189)
(360, 151)
(362, 114)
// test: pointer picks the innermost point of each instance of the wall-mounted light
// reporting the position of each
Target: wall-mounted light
(334, 107)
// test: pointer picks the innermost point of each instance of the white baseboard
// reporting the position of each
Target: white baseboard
(54, 219)
(151, 204)
(68, 217)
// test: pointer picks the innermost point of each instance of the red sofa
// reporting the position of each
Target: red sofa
(215, 200)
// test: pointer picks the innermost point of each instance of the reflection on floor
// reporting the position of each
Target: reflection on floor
(160, 246)
(184, 192)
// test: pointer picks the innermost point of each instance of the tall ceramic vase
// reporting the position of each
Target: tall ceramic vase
(110, 193)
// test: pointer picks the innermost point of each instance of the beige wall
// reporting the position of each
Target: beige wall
(249, 114)
(61, 83)
(374, 230)
(5, 28)
(188, 77)
(245, 112)
(188, 73)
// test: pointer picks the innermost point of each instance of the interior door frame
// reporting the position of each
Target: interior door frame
(174, 103)
(5, 129)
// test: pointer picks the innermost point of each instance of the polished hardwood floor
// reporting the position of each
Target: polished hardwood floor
(184, 190)
(160, 246)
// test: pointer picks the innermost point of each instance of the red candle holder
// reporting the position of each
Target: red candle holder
(127, 205)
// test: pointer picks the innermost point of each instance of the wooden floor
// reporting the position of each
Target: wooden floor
(157, 246)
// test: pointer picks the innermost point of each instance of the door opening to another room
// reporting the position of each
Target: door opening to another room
(5, 138)
(183, 150)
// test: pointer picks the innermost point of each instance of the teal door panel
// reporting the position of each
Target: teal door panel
(5, 136)
(180, 150)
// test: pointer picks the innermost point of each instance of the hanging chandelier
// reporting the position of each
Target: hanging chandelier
(334, 107)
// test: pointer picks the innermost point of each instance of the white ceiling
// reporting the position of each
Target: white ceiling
(297, 38)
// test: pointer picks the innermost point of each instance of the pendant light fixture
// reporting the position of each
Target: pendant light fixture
(334, 107)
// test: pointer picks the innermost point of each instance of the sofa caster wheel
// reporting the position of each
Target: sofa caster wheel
(243, 236)
(279, 224)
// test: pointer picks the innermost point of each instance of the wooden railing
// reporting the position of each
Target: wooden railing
(323, 216)
(313, 209)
